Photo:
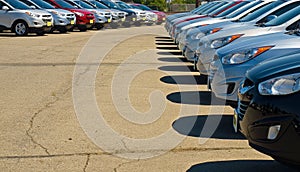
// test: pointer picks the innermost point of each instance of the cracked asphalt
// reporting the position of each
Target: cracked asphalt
(40, 130)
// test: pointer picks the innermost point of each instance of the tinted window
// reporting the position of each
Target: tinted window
(64, 4)
(18, 4)
(214, 7)
(284, 17)
(43, 4)
(29, 3)
(84, 5)
(261, 11)
(99, 5)
(221, 9)
(232, 9)
(242, 9)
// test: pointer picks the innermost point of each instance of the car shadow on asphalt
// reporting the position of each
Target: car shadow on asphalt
(207, 126)
(167, 48)
(172, 59)
(164, 40)
(165, 43)
(178, 68)
(241, 166)
(195, 98)
(179, 53)
(185, 79)
(162, 37)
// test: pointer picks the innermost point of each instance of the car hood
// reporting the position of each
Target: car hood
(279, 40)
(36, 11)
(269, 68)
(81, 11)
(61, 11)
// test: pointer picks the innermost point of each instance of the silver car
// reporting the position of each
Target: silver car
(22, 19)
(231, 62)
(210, 43)
(189, 46)
(63, 19)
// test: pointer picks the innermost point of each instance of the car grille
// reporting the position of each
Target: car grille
(46, 16)
(47, 20)
(242, 108)
(90, 16)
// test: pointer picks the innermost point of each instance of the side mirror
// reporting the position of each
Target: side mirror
(271, 17)
(32, 7)
(5, 8)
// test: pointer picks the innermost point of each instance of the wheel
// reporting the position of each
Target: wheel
(62, 30)
(99, 26)
(159, 23)
(20, 28)
(137, 24)
(82, 29)
(126, 24)
(149, 24)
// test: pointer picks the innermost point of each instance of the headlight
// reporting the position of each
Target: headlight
(79, 14)
(282, 85)
(213, 31)
(243, 56)
(33, 15)
(217, 43)
(197, 36)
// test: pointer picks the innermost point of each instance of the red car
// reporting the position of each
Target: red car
(84, 19)
(161, 16)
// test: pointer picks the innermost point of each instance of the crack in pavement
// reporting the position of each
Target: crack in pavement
(124, 163)
(87, 162)
(47, 105)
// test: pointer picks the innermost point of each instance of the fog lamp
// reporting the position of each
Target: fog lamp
(273, 132)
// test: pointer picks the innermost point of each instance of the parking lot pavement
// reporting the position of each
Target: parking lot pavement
(157, 114)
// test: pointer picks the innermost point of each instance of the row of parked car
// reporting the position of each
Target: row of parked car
(42, 16)
(250, 51)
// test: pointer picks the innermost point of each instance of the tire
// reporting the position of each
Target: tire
(82, 29)
(20, 28)
(62, 30)
(137, 24)
(126, 24)
(159, 23)
(149, 24)
(99, 26)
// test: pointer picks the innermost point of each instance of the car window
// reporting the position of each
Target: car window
(43, 4)
(281, 10)
(242, 9)
(261, 11)
(144, 7)
(18, 4)
(84, 5)
(64, 4)
(222, 8)
(29, 3)
(214, 8)
(284, 17)
(294, 26)
(99, 5)
(232, 9)
(1, 5)
(206, 7)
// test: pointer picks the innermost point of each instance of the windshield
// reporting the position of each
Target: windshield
(243, 9)
(232, 9)
(142, 7)
(64, 4)
(215, 7)
(43, 4)
(110, 4)
(203, 7)
(29, 3)
(123, 5)
(18, 4)
(261, 11)
(221, 9)
(99, 5)
(84, 5)
(284, 17)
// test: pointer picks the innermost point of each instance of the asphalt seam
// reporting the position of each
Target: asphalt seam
(121, 152)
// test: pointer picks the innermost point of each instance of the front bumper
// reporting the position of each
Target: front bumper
(258, 113)
(40, 29)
